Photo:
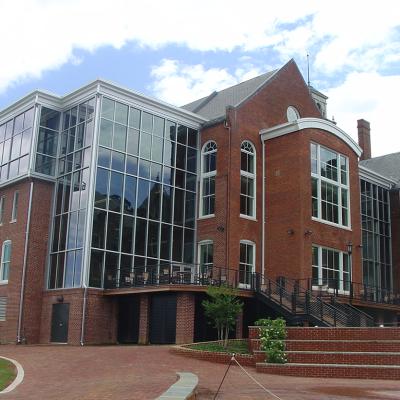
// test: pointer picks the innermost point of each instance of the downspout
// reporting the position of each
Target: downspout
(263, 212)
(21, 297)
(83, 313)
(228, 126)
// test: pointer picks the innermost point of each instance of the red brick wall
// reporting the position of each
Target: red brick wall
(36, 261)
(144, 319)
(100, 317)
(185, 305)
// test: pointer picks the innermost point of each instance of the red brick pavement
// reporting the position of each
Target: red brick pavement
(144, 372)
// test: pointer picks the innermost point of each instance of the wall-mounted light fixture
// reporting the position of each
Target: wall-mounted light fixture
(60, 299)
(349, 247)
(307, 232)
(220, 228)
(290, 231)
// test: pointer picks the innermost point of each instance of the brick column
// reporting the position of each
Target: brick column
(144, 319)
(239, 326)
(185, 306)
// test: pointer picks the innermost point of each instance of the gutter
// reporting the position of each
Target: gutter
(21, 297)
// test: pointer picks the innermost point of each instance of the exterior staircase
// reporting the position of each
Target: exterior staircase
(364, 353)
(298, 305)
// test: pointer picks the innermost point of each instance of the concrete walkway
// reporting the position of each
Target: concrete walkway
(145, 372)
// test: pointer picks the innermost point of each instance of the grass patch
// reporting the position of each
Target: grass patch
(7, 373)
(234, 346)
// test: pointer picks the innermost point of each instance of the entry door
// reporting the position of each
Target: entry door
(128, 319)
(59, 323)
(163, 318)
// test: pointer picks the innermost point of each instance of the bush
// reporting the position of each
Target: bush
(272, 339)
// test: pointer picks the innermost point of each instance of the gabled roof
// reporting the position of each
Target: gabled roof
(387, 165)
(214, 105)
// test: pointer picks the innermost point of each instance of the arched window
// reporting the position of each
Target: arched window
(5, 261)
(208, 172)
(247, 180)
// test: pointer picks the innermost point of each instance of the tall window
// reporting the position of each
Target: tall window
(208, 172)
(2, 201)
(247, 263)
(15, 207)
(330, 185)
(206, 254)
(247, 179)
(5, 261)
(376, 236)
(331, 268)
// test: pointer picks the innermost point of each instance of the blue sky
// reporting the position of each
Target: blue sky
(178, 51)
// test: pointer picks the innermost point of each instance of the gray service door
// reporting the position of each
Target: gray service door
(59, 323)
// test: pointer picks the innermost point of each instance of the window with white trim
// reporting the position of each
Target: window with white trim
(331, 268)
(330, 185)
(247, 179)
(246, 263)
(5, 260)
(15, 207)
(206, 256)
(208, 173)
(2, 203)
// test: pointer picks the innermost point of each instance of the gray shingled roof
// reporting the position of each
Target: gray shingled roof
(388, 166)
(213, 106)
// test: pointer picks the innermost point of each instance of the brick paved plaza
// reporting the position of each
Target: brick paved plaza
(144, 372)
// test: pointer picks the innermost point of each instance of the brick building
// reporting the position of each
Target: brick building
(117, 211)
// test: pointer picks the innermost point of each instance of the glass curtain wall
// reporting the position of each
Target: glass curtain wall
(15, 144)
(72, 188)
(376, 236)
(145, 195)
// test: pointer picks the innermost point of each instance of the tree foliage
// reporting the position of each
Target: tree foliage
(272, 339)
(222, 310)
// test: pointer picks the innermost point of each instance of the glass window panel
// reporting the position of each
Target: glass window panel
(28, 118)
(190, 205)
(107, 108)
(156, 172)
(182, 134)
(13, 169)
(152, 239)
(165, 244)
(76, 191)
(133, 142)
(63, 231)
(89, 133)
(131, 165)
(155, 201)
(2, 132)
(47, 142)
(80, 136)
(188, 253)
(113, 231)
(177, 244)
(111, 270)
(192, 159)
(145, 145)
(118, 161)
(96, 268)
(56, 233)
(147, 122)
(169, 153)
(179, 206)
(72, 230)
(26, 141)
(157, 150)
(192, 137)
(140, 236)
(99, 226)
(115, 195)
(167, 204)
(9, 129)
(84, 188)
(180, 179)
(23, 165)
(119, 142)
(49, 118)
(121, 113)
(130, 195)
(81, 228)
(190, 182)
(16, 146)
(69, 269)
(159, 126)
(106, 132)
(170, 130)
(78, 268)
(104, 157)
(74, 115)
(18, 124)
(102, 179)
(71, 139)
(134, 118)
(127, 235)
(144, 169)
(181, 157)
(60, 269)
(143, 198)
(6, 151)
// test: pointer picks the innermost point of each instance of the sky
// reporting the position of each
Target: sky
(178, 51)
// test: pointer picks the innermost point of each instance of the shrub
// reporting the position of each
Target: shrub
(272, 339)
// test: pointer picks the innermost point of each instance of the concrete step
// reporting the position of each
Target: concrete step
(353, 358)
(331, 370)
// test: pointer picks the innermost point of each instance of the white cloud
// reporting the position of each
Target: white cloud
(373, 98)
(179, 83)
(39, 35)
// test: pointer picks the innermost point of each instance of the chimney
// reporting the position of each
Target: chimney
(364, 138)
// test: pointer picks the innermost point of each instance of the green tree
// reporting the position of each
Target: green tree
(222, 309)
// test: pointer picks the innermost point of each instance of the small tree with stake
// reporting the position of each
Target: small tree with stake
(222, 309)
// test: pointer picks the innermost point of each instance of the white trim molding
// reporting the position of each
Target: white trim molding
(376, 178)
(310, 123)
